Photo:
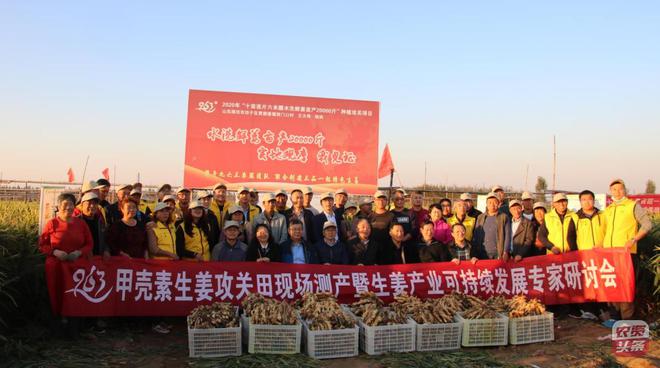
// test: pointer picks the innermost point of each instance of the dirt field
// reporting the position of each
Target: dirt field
(133, 344)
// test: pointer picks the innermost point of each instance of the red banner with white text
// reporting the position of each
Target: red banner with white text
(272, 142)
(129, 287)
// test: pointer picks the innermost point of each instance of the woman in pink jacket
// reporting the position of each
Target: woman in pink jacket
(441, 230)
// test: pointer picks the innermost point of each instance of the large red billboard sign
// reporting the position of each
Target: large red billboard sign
(273, 141)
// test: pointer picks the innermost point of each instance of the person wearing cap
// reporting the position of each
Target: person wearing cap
(441, 229)
(275, 221)
(539, 217)
(469, 205)
(295, 249)
(418, 213)
(557, 233)
(90, 187)
(235, 213)
(341, 197)
(104, 189)
(298, 212)
(249, 211)
(142, 205)
(192, 235)
(90, 212)
(365, 209)
(161, 233)
(205, 197)
(501, 196)
(398, 250)
(231, 249)
(460, 216)
(127, 237)
(522, 234)
(161, 192)
(263, 247)
(363, 249)
(280, 201)
(254, 198)
(218, 203)
(380, 218)
(626, 223)
(460, 248)
(446, 208)
(183, 197)
(113, 211)
(490, 230)
(309, 195)
(590, 223)
(327, 214)
(330, 250)
(347, 229)
(170, 201)
(431, 250)
(528, 205)
(402, 215)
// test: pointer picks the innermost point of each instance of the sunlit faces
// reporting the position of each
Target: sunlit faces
(445, 205)
(399, 200)
(129, 208)
(183, 197)
(416, 199)
(427, 231)
(327, 204)
(297, 199)
(89, 208)
(435, 214)
(397, 233)
(197, 212)
(65, 208)
(244, 198)
(587, 202)
(269, 206)
(560, 206)
(380, 203)
(206, 201)
(220, 194)
(618, 191)
(295, 232)
(363, 229)
(460, 208)
(492, 204)
(340, 199)
(121, 194)
(262, 233)
(539, 214)
(516, 211)
(458, 233)
(163, 215)
(231, 233)
(330, 233)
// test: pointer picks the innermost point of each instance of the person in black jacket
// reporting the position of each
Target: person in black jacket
(295, 249)
(363, 249)
(263, 247)
(214, 224)
(522, 234)
(460, 249)
(431, 250)
(330, 250)
(396, 250)
(300, 213)
(326, 214)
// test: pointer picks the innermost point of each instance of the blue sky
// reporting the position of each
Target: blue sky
(475, 89)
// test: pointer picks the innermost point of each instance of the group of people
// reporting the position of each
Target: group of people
(376, 231)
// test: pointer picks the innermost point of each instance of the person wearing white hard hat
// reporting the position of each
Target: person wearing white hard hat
(192, 235)
(309, 195)
(380, 218)
(528, 205)
(469, 204)
(161, 233)
(230, 249)
(276, 221)
(327, 214)
(490, 230)
(300, 213)
(557, 233)
(522, 234)
(90, 212)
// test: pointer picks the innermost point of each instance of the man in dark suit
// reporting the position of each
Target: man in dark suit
(327, 214)
(300, 213)
(522, 234)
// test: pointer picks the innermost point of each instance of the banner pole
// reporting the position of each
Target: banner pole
(389, 196)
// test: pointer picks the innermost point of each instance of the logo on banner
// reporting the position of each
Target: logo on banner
(630, 338)
(207, 106)
(90, 285)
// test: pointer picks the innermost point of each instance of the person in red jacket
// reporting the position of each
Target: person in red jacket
(64, 238)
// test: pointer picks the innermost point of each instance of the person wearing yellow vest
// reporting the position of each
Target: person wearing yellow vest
(460, 217)
(557, 233)
(626, 223)
(590, 223)
(205, 197)
(250, 211)
(161, 233)
(219, 203)
(183, 196)
(193, 233)
(254, 198)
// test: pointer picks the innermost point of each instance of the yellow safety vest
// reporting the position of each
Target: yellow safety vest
(165, 238)
(218, 213)
(620, 224)
(590, 231)
(143, 206)
(197, 243)
(468, 222)
(558, 231)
